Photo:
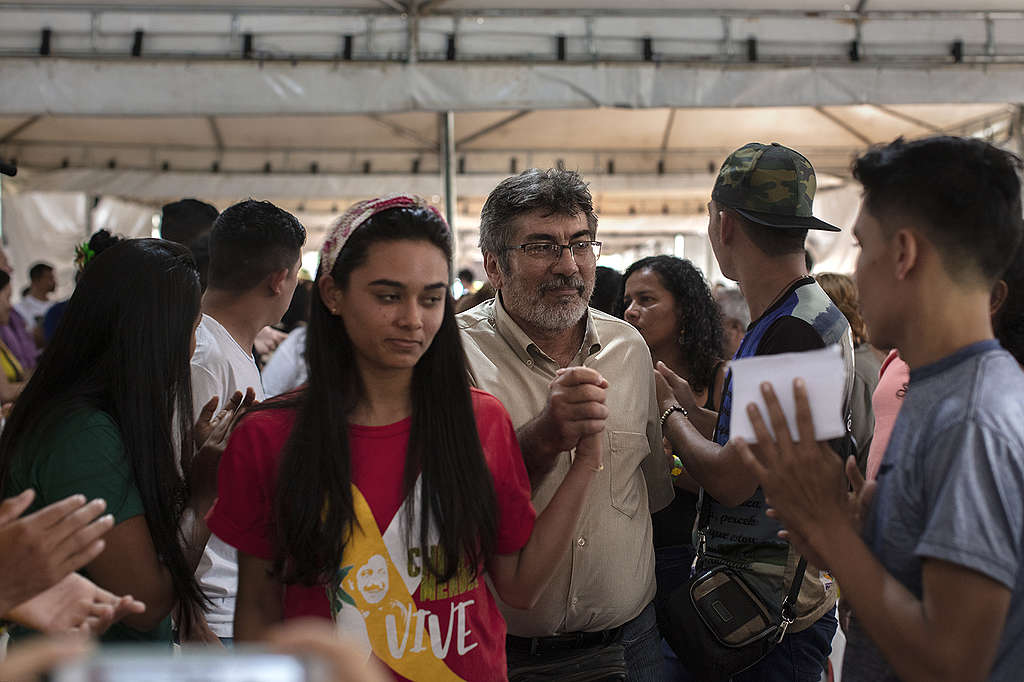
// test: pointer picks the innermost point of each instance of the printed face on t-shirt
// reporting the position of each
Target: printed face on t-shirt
(372, 579)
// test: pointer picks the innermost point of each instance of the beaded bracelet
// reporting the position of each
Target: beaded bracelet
(675, 408)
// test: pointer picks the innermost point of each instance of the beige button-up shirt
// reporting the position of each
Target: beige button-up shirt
(606, 576)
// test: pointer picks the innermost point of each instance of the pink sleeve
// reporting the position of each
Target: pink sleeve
(516, 515)
(242, 516)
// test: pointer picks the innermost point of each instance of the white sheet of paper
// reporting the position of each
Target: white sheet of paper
(823, 372)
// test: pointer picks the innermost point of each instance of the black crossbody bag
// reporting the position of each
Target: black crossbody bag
(717, 624)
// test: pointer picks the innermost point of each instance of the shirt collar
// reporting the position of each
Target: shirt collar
(524, 347)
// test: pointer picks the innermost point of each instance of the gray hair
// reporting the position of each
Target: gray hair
(733, 306)
(554, 191)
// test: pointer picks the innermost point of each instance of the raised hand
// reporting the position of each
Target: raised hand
(673, 389)
(74, 605)
(575, 409)
(40, 549)
(211, 434)
(804, 481)
(576, 406)
(268, 339)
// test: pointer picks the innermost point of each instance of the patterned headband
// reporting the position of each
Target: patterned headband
(359, 213)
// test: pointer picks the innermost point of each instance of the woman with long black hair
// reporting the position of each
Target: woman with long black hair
(104, 415)
(382, 493)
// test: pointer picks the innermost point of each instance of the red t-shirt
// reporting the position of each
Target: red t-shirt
(243, 515)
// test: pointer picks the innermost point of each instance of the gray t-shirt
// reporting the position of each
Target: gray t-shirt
(951, 487)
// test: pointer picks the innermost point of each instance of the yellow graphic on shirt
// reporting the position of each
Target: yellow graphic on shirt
(407, 638)
(464, 579)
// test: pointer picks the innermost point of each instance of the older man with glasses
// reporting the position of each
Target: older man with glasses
(565, 371)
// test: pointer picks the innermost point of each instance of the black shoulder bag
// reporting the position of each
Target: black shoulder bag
(717, 624)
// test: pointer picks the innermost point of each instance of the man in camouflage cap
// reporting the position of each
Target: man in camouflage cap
(759, 214)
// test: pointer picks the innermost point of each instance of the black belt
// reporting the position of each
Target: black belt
(569, 640)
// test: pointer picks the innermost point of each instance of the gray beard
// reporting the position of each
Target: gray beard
(530, 307)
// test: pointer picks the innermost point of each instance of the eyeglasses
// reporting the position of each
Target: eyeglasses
(582, 251)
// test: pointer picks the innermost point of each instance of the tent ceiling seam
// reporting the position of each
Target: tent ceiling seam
(18, 129)
(844, 125)
(487, 130)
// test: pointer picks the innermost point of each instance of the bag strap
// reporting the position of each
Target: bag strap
(788, 609)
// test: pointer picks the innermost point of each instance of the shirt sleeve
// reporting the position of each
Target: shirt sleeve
(974, 501)
(204, 387)
(91, 463)
(243, 514)
(516, 515)
(789, 335)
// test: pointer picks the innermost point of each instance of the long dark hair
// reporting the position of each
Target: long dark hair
(698, 316)
(313, 503)
(122, 346)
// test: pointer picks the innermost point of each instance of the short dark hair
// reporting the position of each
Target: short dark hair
(963, 193)
(251, 240)
(772, 241)
(554, 191)
(39, 270)
(183, 221)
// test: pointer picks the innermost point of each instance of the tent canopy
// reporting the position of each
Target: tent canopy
(319, 102)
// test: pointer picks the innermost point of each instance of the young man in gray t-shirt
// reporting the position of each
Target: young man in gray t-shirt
(935, 581)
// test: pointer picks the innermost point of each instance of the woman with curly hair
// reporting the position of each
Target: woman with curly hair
(669, 302)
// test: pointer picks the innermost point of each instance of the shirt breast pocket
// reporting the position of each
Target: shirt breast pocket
(626, 450)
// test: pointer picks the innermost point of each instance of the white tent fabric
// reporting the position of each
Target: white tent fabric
(297, 121)
(41, 227)
(236, 88)
(47, 226)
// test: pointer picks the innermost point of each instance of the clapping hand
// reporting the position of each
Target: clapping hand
(211, 437)
(39, 550)
(212, 428)
(74, 605)
(806, 485)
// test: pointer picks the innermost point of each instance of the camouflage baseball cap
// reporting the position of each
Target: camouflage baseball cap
(771, 185)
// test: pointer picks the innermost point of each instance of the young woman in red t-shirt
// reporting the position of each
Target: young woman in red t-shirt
(382, 492)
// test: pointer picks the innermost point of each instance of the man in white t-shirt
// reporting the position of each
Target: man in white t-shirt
(255, 249)
(34, 304)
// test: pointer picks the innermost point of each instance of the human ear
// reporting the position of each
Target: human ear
(495, 274)
(998, 297)
(276, 280)
(330, 293)
(727, 226)
(906, 247)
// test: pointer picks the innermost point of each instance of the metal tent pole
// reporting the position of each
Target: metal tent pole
(447, 124)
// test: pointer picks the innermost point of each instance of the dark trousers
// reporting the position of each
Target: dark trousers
(639, 637)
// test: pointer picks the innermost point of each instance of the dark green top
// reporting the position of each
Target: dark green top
(80, 451)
